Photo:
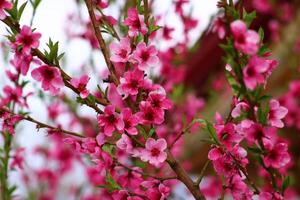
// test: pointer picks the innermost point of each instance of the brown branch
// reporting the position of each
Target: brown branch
(103, 47)
(43, 125)
(184, 177)
(198, 181)
(146, 174)
(66, 78)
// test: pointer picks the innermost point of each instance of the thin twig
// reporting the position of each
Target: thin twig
(103, 47)
(146, 174)
(198, 181)
(43, 125)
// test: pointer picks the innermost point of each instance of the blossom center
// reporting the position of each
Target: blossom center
(155, 152)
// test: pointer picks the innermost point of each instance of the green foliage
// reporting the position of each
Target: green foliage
(16, 12)
(111, 184)
(110, 149)
(209, 127)
(249, 17)
(35, 3)
(262, 113)
(52, 55)
(285, 184)
(152, 26)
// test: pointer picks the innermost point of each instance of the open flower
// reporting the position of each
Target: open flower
(110, 121)
(277, 156)
(135, 22)
(245, 40)
(256, 71)
(159, 101)
(50, 77)
(4, 4)
(121, 51)
(276, 114)
(131, 83)
(228, 135)
(27, 39)
(125, 143)
(149, 115)
(154, 151)
(145, 56)
(130, 121)
(80, 84)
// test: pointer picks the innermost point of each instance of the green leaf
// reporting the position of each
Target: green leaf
(112, 185)
(233, 12)
(263, 50)
(35, 3)
(249, 17)
(11, 190)
(209, 128)
(143, 132)
(285, 183)
(233, 83)
(21, 10)
(261, 33)
(255, 150)
(151, 132)
(262, 114)
(110, 149)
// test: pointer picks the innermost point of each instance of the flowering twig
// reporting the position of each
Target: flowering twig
(43, 125)
(103, 47)
(65, 76)
(198, 181)
(146, 174)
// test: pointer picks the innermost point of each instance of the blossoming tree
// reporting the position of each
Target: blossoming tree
(131, 146)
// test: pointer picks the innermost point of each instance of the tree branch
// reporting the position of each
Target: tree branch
(103, 47)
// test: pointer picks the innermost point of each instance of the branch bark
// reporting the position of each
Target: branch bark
(103, 47)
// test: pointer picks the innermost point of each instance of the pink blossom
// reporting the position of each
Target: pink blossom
(80, 85)
(239, 188)
(8, 121)
(276, 114)
(123, 194)
(95, 175)
(263, 6)
(14, 95)
(219, 27)
(159, 101)
(135, 22)
(277, 155)
(50, 77)
(102, 3)
(145, 56)
(245, 40)
(167, 32)
(270, 196)
(125, 143)
(110, 121)
(130, 121)
(256, 71)
(149, 115)
(27, 39)
(237, 111)
(154, 151)
(121, 51)
(223, 162)
(227, 135)
(211, 187)
(4, 4)
(131, 83)
(131, 178)
(18, 159)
